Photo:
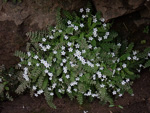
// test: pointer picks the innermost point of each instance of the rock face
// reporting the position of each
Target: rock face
(115, 8)
(30, 15)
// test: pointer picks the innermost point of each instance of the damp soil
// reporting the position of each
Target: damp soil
(137, 103)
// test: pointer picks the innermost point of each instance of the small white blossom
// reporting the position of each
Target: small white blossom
(104, 25)
(63, 47)
(81, 10)
(43, 39)
(123, 82)
(107, 33)
(149, 54)
(51, 37)
(34, 87)
(29, 54)
(102, 85)
(83, 16)
(90, 38)
(35, 57)
(65, 37)
(69, 22)
(46, 71)
(81, 25)
(51, 93)
(40, 92)
(69, 43)
(124, 65)
(129, 58)
(105, 37)
(37, 64)
(67, 76)
(83, 51)
(50, 74)
(90, 46)
(99, 38)
(87, 10)
(48, 46)
(77, 45)
(114, 92)
(70, 49)
(64, 60)
(63, 53)
(29, 63)
(102, 19)
(60, 31)
(119, 44)
(54, 52)
(75, 28)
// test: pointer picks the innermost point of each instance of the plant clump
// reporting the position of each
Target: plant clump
(79, 57)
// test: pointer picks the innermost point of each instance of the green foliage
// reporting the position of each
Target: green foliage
(80, 57)
(146, 30)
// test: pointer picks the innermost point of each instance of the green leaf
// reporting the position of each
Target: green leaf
(121, 107)
(45, 83)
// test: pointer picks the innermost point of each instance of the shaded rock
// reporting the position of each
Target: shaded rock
(115, 8)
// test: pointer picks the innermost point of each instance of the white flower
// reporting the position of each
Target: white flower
(118, 90)
(99, 38)
(36, 95)
(118, 69)
(54, 30)
(81, 10)
(105, 37)
(43, 39)
(149, 54)
(124, 65)
(65, 69)
(75, 90)
(107, 33)
(60, 31)
(114, 92)
(69, 22)
(75, 28)
(64, 60)
(120, 95)
(54, 59)
(29, 63)
(29, 54)
(63, 53)
(94, 20)
(61, 64)
(83, 16)
(123, 82)
(119, 44)
(67, 76)
(35, 57)
(97, 64)
(63, 47)
(77, 45)
(40, 92)
(90, 38)
(34, 87)
(48, 46)
(134, 57)
(69, 43)
(54, 52)
(50, 74)
(83, 51)
(104, 25)
(60, 79)
(90, 46)
(101, 68)
(65, 37)
(51, 93)
(37, 64)
(81, 25)
(77, 79)
(87, 10)
(51, 37)
(102, 85)
(102, 19)
(129, 58)
(70, 49)
(46, 71)
(78, 53)
(127, 80)
(134, 52)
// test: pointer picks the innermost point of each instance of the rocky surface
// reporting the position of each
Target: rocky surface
(115, 8)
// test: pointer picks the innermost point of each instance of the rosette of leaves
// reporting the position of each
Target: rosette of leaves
(79, 57)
